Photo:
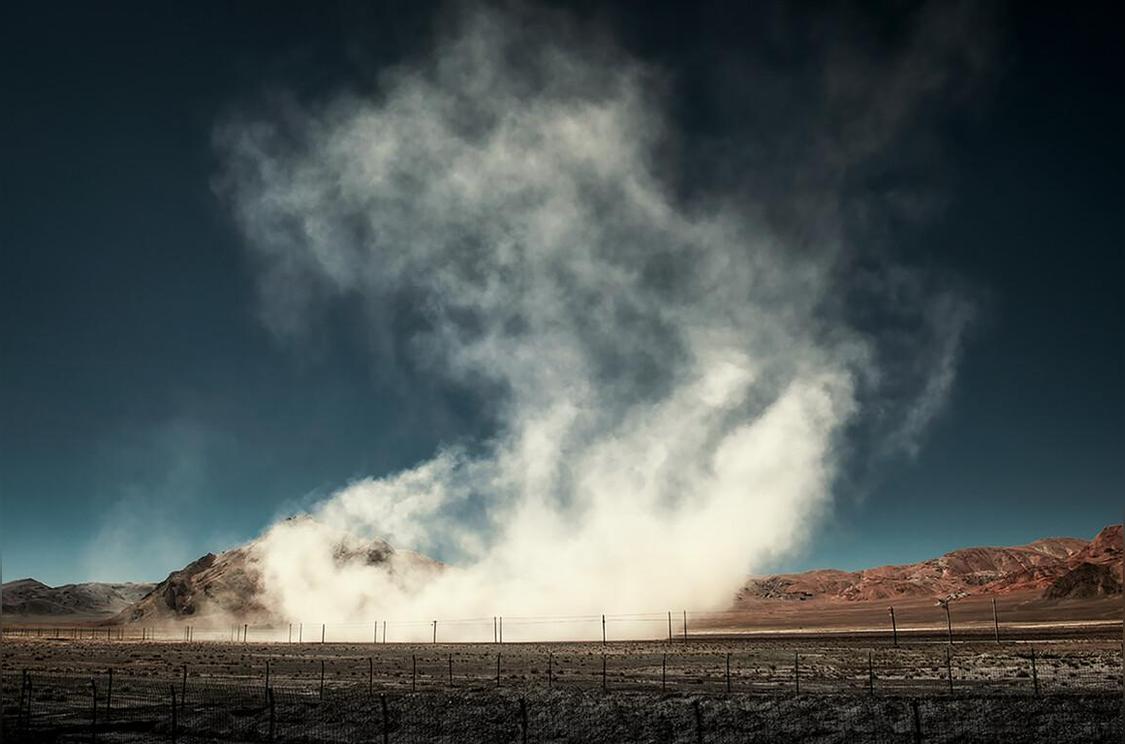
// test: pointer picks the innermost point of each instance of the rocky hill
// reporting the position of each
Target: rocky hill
(28, 597)
(230, 585)
(1040, 567)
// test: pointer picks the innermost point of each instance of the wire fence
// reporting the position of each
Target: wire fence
(116, 707)
(763, 669)
(998, 621)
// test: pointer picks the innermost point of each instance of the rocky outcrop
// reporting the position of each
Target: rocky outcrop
(1084, 581)
(985, 570)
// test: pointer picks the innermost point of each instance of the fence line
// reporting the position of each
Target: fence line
(673, 626)
(167, 709)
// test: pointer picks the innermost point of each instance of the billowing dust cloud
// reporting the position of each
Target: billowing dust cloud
(672, 383)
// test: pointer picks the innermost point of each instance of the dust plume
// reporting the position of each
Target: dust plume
(673, 379)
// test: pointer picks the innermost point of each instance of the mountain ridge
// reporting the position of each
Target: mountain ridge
(1034, 567)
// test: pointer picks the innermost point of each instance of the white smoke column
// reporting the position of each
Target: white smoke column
(672, 393)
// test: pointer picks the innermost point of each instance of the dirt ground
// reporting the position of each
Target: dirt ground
(703, 665)
(836, 689)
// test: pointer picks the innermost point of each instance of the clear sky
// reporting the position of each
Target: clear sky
(148, 415)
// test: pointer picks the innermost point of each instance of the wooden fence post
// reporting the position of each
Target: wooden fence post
(94, 712)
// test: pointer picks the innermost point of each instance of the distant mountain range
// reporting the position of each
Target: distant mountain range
(230, 584)
(31, 597)
(1054, 568)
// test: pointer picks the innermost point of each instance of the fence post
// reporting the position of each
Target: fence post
(375, 633)
(435, 631)
(917, 721)
(386, 719)
(269, 699)
(603, 630)
(501, 629)
(685, 626)
(797, 671)
(94, 712)
(949, 668)
(290, 632)
(1034, 673)
(245, 632)
(523, 720)
(698, 721)
(669, 626)
(322, 626)
(870, 674)
(300, 633)
(173, 689)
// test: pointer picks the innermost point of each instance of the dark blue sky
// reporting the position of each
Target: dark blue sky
(148, 416)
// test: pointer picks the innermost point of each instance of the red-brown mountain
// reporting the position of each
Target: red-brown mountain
(1054, 567)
